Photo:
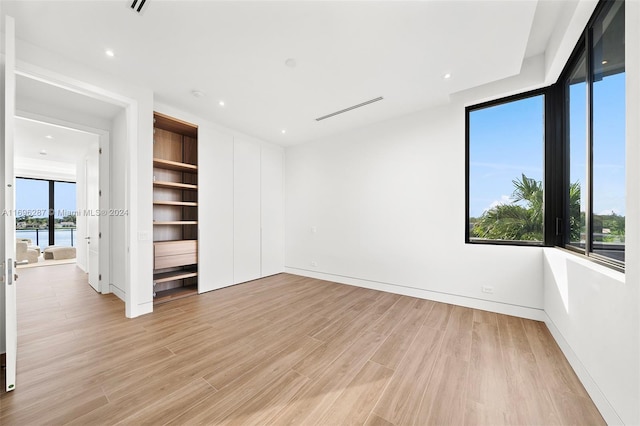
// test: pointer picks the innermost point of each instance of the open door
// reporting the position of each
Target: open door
(92, 177)
(7, 218)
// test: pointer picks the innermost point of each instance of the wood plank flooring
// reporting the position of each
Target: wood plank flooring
(281, 350)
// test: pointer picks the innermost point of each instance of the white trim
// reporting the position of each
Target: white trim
(52, 78)
(117, 291)
(599, 399)
(454, 299)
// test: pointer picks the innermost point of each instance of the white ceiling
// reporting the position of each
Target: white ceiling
(346, 53)
(64, 147)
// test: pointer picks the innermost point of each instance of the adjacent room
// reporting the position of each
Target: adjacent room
(322, 212)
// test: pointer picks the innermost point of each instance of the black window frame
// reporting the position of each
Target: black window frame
(584, 45)
(502, 101)
(51, 219)
(556, 179)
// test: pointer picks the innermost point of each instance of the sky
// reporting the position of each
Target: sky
(508, 140)
(33, 195)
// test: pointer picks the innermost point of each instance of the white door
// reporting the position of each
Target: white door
(93, 220)
(8, 226)
(246, 211)
(272, 210)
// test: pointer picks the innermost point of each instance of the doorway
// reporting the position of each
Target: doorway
(77, 151)
(57, 172)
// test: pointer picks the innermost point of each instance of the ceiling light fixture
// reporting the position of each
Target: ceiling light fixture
(284, 131)
(197, 93)
(605, 62)
(447, 76)
(350, 108)
(221, 103)
(49, 137)
(291, 63)
(43, 152)
(110, 53)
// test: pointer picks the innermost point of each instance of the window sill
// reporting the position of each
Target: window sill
(602, 266)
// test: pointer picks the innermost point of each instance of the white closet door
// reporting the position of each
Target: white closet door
(246, 211)
(272, 211)
(215, 210)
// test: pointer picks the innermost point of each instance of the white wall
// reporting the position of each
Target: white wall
(592, 313)
(383, 206)
(81, 220)
(118, 200)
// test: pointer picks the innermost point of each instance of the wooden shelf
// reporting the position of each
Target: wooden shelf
(175, 222)
(174, 165)
(162, 121)
(175, 185)
(174, 275)
(176, 203)
(175, 208)
(175, 293)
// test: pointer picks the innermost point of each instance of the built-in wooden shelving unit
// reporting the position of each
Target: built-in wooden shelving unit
(175, 208)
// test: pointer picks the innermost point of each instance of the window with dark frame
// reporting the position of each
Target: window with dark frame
(46, 211)
(505, 148)
(581, 205)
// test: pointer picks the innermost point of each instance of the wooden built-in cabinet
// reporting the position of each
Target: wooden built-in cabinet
(175, 208)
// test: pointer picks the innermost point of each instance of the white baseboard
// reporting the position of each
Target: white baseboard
(469, 302)
(599, 399)
(117, 291)
(143, 309)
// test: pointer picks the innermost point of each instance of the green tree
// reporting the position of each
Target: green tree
(576, 218)
(523, 221)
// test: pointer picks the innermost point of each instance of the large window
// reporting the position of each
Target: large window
(594, 87)
(46, 212)
(571, 136)
(505, 173)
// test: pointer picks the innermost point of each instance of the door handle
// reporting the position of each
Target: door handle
(87, 238)
(10, 274)
(22, 262)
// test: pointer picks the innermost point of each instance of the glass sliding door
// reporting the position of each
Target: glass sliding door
(46, 212)
(64, 202)
(32, 211)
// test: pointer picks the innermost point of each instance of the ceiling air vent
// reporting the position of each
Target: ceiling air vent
(350, 108)
(139, 4)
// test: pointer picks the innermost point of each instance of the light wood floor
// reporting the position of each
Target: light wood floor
(282, 350)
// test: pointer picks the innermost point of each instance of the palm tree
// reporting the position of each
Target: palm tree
(522, 222)
(576, 218)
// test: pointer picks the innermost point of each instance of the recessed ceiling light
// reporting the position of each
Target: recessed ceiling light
(284, 131)
(49, 137)
(43, 152)
(197, 93)
(291, 63)
(109, 53)
(604, 62)
(221, 103)
(447, 76)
